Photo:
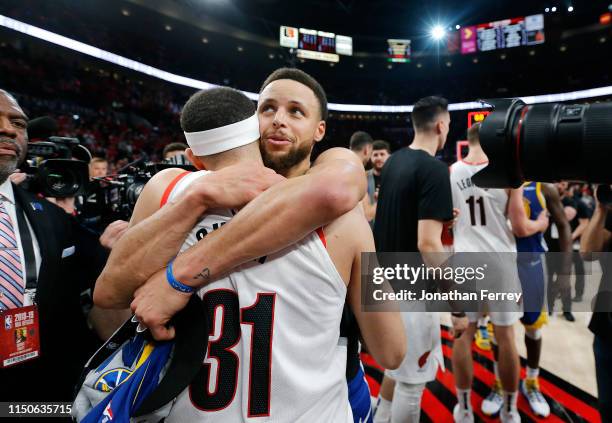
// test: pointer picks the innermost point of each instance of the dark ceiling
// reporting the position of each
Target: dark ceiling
(242, 46)
(376, 18)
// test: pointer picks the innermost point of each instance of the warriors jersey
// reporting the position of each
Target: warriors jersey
(534, 203)
(482, 225)
(274, 347)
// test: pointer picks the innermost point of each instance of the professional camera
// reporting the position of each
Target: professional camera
(116, 195)
(51, 169)
(545, 143)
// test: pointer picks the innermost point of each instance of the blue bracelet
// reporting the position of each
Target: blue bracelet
(179, 286)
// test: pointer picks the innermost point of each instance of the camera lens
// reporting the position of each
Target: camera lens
(62, 177)
(546, 143)
(133, 192)
(63, 184)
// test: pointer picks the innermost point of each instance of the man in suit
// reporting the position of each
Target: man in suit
(47, 260)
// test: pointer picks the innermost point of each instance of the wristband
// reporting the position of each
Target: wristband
(458, 314)
(179, 286)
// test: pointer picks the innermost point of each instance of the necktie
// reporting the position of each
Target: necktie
(11, 275)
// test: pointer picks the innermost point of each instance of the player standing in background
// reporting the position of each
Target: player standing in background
(380, 153)
(291, 116)
(482, 226)
(414, 203)
(537, 197)
(361, 144)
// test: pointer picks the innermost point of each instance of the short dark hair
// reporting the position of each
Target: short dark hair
(216, 107)
(381, 145)
(175, 146)
(426, 110)
(303, 78)
(359, 140)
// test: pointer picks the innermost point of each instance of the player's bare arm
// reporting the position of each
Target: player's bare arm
(555, 208)
(276, 219)
(290, 211)
(522, 226)
(595, 237)
(430, 241)
(155, 235)
(369, 208)
(431, 248)
(383, 332)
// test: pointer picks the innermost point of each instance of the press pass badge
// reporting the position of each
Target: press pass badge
(19, 336)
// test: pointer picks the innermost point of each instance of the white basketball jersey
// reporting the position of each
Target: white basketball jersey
(274, 350)
(482, 225)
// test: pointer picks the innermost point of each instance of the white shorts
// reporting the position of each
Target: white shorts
(424, 348)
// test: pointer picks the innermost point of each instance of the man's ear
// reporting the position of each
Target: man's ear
(439, 127)
(195, 160)
(320, 132)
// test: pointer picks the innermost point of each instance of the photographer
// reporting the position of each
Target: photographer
(46, 262)
(597, 237)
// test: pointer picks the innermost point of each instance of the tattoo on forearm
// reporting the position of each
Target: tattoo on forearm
(204, 275)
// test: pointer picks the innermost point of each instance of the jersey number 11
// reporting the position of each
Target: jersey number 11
(472, 203)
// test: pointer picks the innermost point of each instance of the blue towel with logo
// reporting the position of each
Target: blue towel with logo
(121, 383)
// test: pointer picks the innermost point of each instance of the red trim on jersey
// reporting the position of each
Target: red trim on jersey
(322, 236)
(170, 187)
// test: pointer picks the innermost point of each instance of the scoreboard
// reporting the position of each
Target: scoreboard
(308, 40)
(399, 51)
(507, 33)
(317, 45)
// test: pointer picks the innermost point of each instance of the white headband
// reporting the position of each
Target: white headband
(218, 140)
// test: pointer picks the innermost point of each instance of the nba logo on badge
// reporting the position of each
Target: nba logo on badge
(8, 322)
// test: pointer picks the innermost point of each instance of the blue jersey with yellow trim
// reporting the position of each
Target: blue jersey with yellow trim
(534, 203)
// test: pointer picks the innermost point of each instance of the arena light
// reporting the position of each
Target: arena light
(570, 9)
(437, 32)
(135, 66)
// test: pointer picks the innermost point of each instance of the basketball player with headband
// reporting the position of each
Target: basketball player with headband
(307, 280)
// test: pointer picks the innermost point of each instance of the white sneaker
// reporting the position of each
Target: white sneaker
(492, 404)
(462, 416)
(531, 389)
(509, 416)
